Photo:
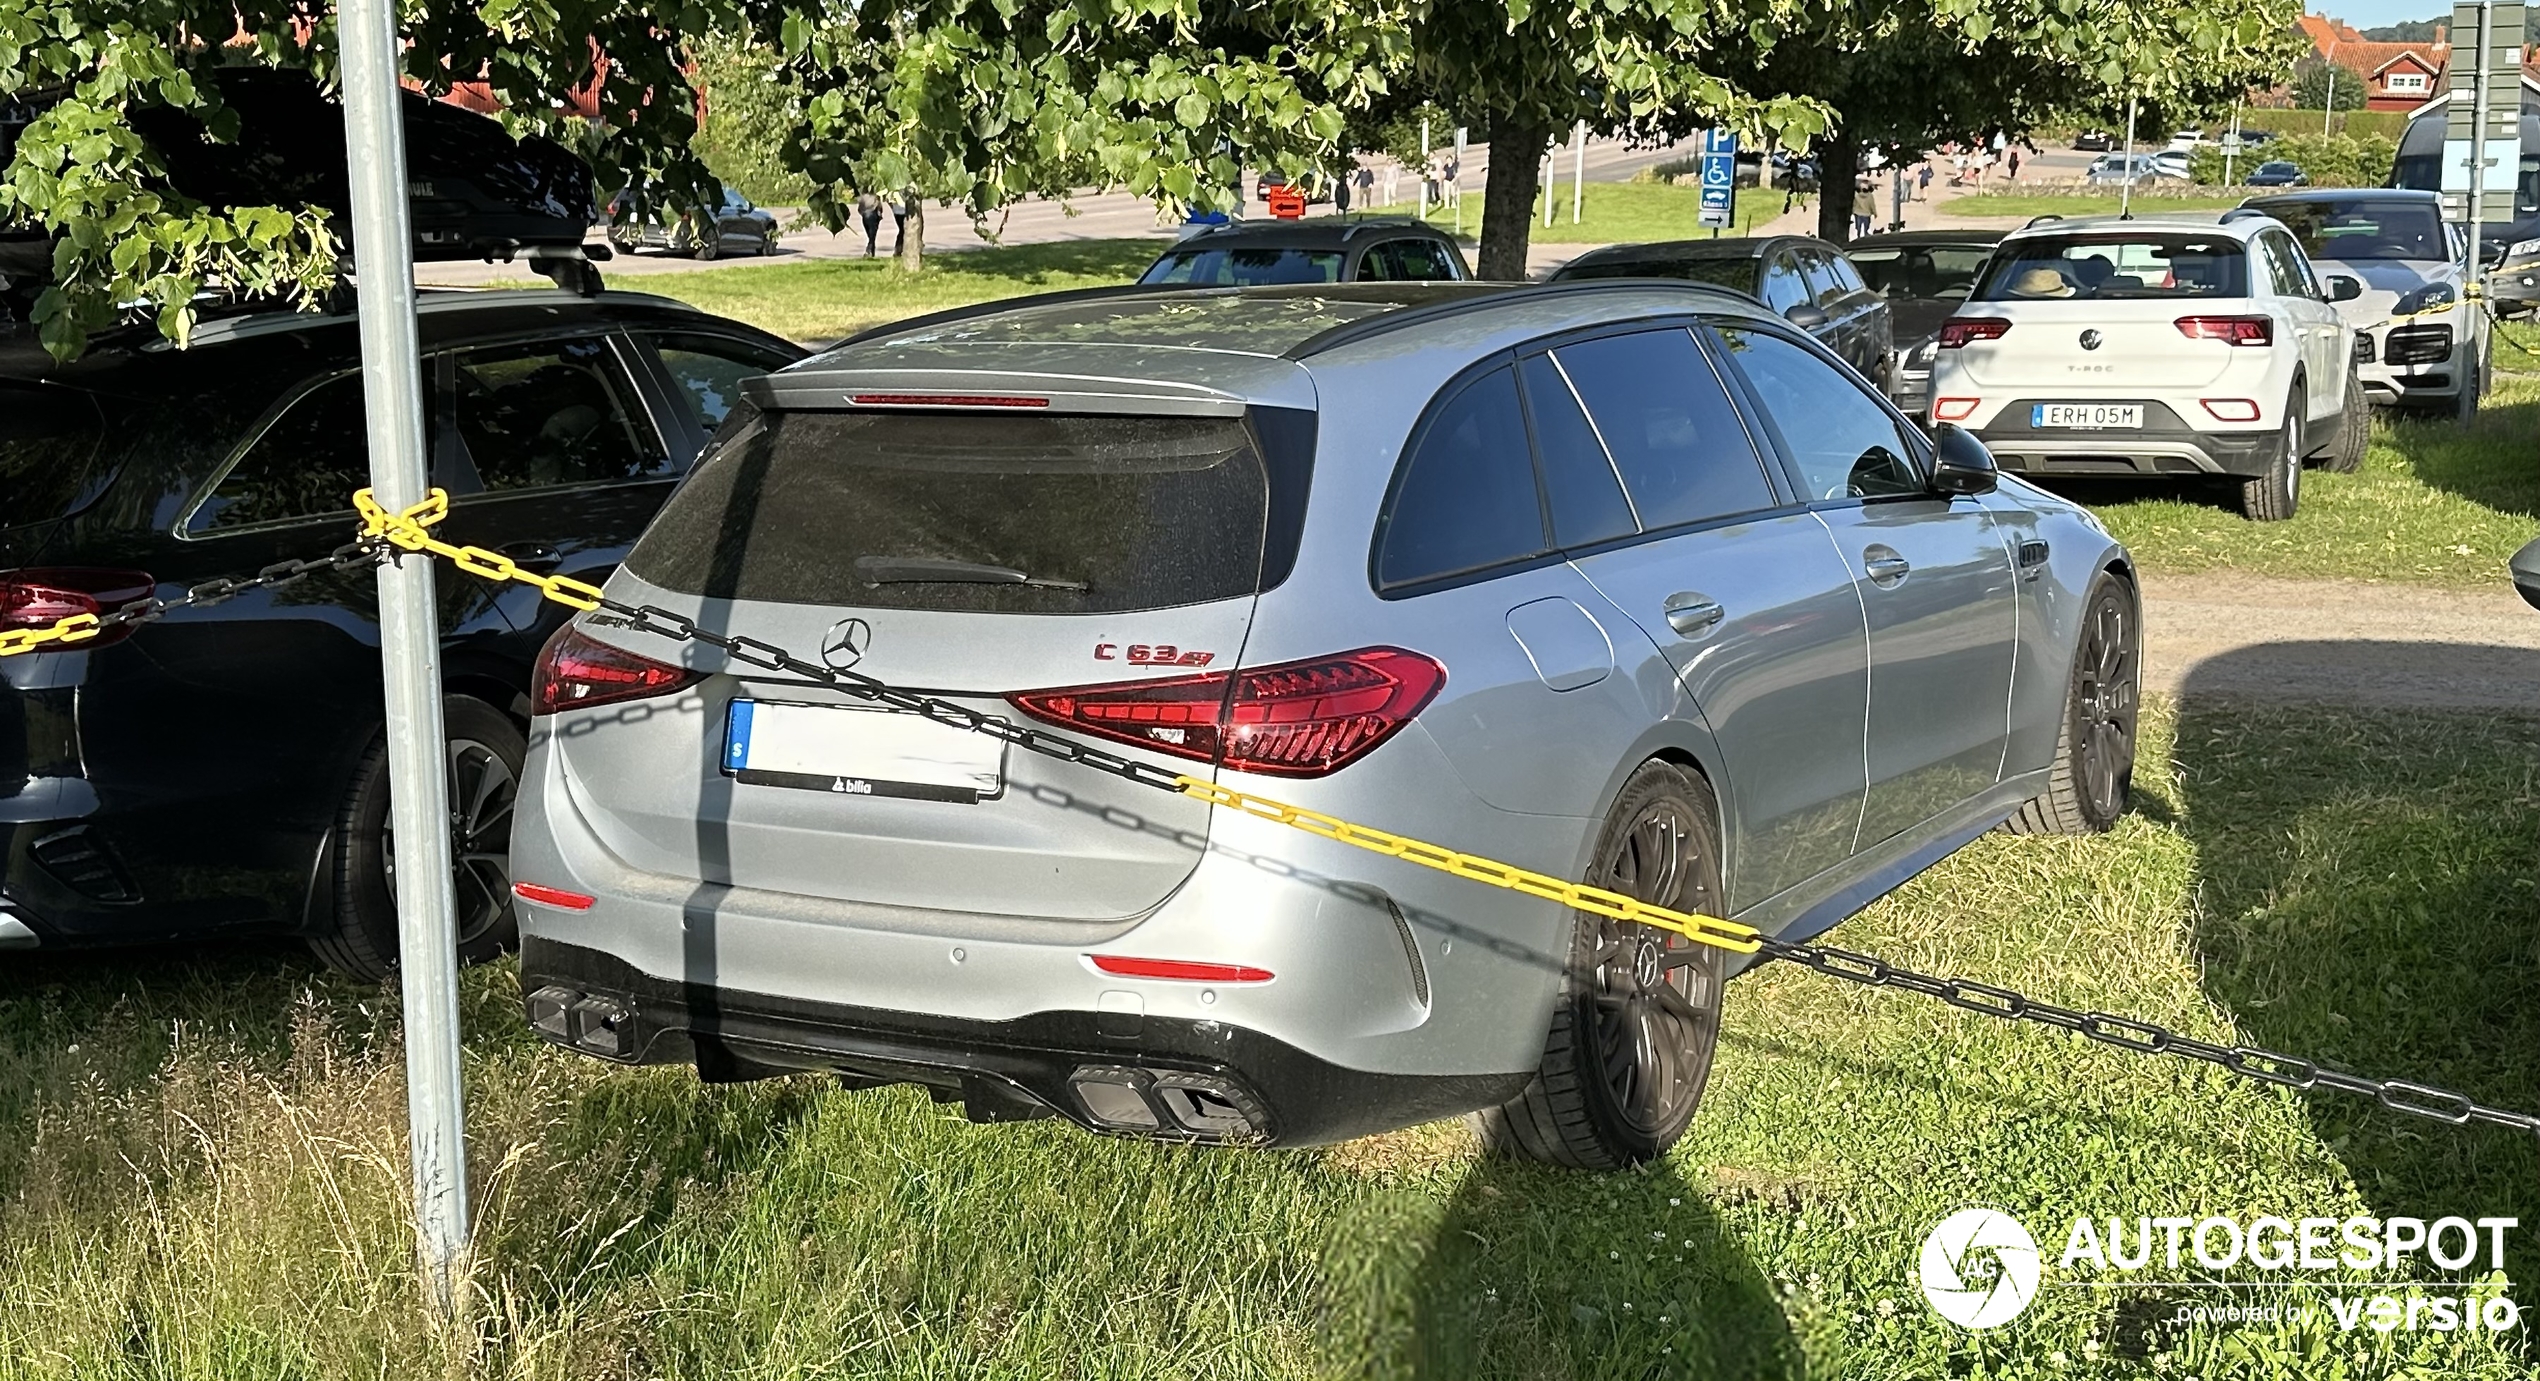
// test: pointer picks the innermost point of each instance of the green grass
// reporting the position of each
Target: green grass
(201, 1163)
(1618, 213)
(2433, 504)
(2043, 204)
(823, 299)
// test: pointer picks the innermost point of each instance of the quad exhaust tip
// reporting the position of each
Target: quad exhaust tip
(601, 1026)
(1167, 1103)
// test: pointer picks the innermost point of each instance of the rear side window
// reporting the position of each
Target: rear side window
(1579, 479)
(1467, 499)
(305, 464)
(1783, 287)
(544, 415)
(48, 454)
(709, 371)
(1414, 261)
(965, 512)
(1823, 287)
(1665, 418)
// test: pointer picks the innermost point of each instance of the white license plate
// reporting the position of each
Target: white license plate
(850, 751)
(2086, 415)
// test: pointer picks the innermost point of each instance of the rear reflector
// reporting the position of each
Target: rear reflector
(1180, 970)
(945, 400)
(2231, 409)
(1961, 330)
(1297, 719)
(552, 896)
(42, 597)
(2230, 330)
(575, 672)
(1953, 409)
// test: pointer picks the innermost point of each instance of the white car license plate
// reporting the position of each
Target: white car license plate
(2086, 415)
(852, 751)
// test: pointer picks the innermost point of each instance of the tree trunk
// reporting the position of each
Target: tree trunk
(1508, 198)
(1838, 164)
(912, 246)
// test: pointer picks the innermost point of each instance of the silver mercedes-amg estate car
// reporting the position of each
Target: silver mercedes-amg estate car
(1628, 582)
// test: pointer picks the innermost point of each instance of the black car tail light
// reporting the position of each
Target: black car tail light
(1296, 719)
(40, 597)
(575, 672)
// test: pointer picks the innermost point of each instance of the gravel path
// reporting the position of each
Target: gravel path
(2340, 641)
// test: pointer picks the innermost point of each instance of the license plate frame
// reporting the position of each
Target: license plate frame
(859, 750)
(2086, 417)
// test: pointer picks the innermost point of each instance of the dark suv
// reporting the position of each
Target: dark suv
(221, 769)
(1808, 281)
(1326, 249)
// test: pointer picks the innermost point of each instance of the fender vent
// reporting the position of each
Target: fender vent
(1410, 952)
(83, 863)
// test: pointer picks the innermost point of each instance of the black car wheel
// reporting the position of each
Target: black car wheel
(710, 246)
(2091, 783)
(1629, 1053)
(2272, 497)
(2354, 429)
(486, 750)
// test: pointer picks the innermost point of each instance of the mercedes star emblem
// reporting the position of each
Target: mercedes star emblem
(845, 645)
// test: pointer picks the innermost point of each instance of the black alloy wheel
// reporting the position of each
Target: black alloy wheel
(2090, 785)
(1629, 1053)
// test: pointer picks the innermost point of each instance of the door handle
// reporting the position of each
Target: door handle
(1693, 615)
(536, 557)
(1885, 567)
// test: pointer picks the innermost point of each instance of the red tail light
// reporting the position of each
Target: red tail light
(1183, 970)
(575, 672)
(1958, 331)
(40, 597)
(2231, 330)
(1298, 719)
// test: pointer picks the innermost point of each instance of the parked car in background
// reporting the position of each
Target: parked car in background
(2419, 166)
(2116, 169)
(1924, 275)
(1598, 578)
(2275, 172)
(1808, 281)
(221, 770)
(2170, 163)
(2256, 138)
(737, 227)
(1327, 249)
(2094, 141)
(2419, 340)
(2160, 347)
(2186, 140)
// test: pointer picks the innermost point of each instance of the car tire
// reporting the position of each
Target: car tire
(709, 248)
(1638, 1015)
(2355, 430)
(2272, 497)
(625, 244)
(2090, 786)
(767, 243)
(486, 750)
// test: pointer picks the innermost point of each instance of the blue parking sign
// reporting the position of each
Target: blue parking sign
(1719, 178)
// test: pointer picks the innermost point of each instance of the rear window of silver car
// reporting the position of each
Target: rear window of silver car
(2116, 266)
(968, 512)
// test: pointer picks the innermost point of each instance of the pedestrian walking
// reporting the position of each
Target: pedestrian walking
(868, 208)
(1340, 192)
(899, 221)
(1922, 180)
(1367, 186)
(2015, 165)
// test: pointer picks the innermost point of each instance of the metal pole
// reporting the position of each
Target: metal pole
(1551, 178)
(409, 643)
(2125, 185)
(2330, 113)
(2466, 405)
(1578, 170)
(1424, 167)
(2231, 143)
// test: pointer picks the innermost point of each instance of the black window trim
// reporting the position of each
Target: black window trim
(1917, 442)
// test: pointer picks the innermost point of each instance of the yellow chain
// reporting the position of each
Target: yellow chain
(1710, 930)
(410, 530)
(407, 530)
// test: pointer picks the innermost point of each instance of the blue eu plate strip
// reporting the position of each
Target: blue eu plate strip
(736, 737)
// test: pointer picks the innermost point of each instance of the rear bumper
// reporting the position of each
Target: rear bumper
(2164, 446)
(1117, 1072)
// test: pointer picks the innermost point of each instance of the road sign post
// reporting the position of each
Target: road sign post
(1719, 180)
(2482, 145)
(409, 644)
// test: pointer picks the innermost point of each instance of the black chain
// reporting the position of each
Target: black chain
(2145, 1038)
(2124, 1033)
(365, 551)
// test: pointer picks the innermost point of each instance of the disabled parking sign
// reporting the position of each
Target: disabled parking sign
(1719, 178)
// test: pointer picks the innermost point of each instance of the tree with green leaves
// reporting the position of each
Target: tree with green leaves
(2316, 81)
(81, 177)
(1905, 77)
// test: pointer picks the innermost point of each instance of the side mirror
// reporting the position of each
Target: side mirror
(2491, 252)
(2342, 288)
(1806, 316)
(1961, 464)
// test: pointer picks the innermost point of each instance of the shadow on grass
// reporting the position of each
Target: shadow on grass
(2368, 900)
(2489, 463)
(1539, 1273)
